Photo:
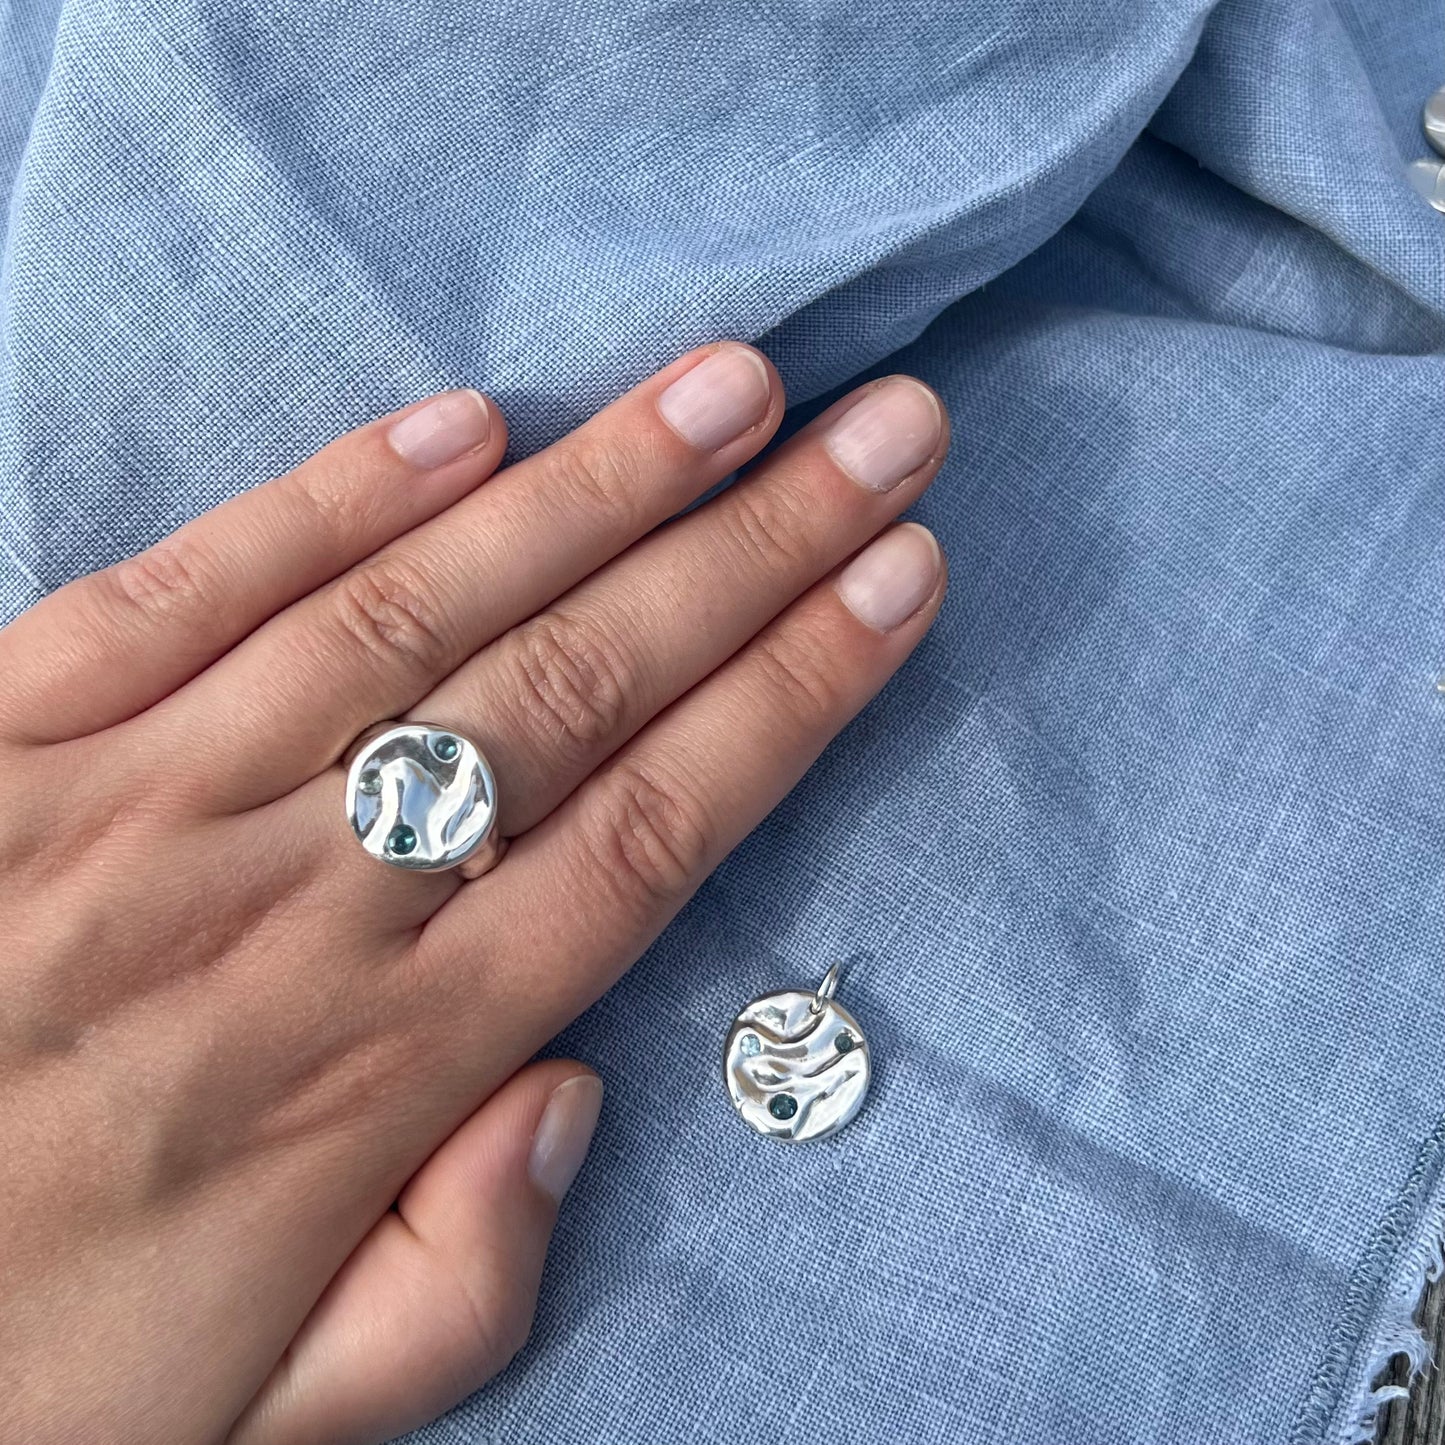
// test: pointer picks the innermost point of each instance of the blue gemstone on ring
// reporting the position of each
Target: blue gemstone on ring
(370, 782)
(446, 748)
(401, 840)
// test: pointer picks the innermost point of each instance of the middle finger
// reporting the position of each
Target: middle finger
(364, 648)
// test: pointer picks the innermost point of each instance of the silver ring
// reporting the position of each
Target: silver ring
(423, 798)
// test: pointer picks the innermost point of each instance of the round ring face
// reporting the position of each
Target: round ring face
(794, 1074)
(421, 797)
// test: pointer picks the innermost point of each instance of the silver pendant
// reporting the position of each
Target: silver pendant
(796, 1063)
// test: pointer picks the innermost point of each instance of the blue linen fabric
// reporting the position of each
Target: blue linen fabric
(1135, 870)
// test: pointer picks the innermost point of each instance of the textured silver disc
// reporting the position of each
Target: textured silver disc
(421, 797)
(1428, 177)
(796, 1065)
(1434, 120)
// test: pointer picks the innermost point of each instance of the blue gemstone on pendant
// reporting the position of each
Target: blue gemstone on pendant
(401, 840)
(782, 1106)
(750, 1047)
(844, 1041)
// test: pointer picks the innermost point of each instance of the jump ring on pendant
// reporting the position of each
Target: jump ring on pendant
(823, 995)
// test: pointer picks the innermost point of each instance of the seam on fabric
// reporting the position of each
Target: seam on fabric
(1342, 1405)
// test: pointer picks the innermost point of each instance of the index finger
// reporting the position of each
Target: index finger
(113, 643)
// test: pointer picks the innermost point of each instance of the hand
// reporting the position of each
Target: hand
(231, 1041)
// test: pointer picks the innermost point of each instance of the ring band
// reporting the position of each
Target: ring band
(423, 798)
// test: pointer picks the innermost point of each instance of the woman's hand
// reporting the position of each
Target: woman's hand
(229, 1039)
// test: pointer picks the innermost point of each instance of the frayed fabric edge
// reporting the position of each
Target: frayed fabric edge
(1396, 1334)
(1406, 1253)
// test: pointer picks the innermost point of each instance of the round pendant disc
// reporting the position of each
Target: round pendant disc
(793, 1073)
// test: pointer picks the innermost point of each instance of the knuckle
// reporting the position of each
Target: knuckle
(797, 675)
(572, 682)
(174, 577)
(503, 1341)
(334, 510)
(653, 837)
(386, 610)
(596, 477)
(490, 1325)
(771, 528)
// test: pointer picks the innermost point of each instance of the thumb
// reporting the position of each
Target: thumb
(440, 1295)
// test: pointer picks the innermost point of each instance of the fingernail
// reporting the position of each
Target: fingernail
(442, 430)
(890, 433)
(890, 580)
(560, 1143)
(719, 399)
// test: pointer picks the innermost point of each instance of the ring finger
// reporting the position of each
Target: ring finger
(553, 698)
